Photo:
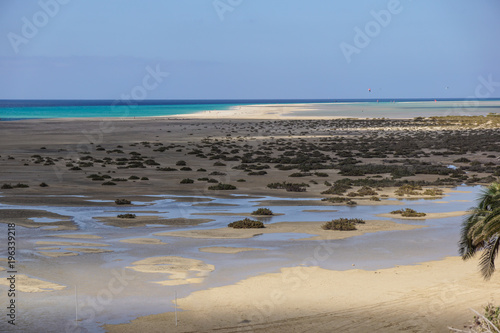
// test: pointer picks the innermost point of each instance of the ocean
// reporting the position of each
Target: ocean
(398, 108)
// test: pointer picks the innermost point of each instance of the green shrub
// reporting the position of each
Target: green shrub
(186, 169)
(342, 224)
(108, 183)
(257, 173)
(43, 185)
(222, 187)
(246, 224)
(241, 180)
(408, 189)
(433, 192)
(262, 211)
(122, 202)
(20, 185)
(133, 177)
(335, 199)
(320, 174)
(289, 187)
(300, 174)
(6, 187)
(187, 181)
(167, 169)
(144, 178)
(126, 216)
(408, 212)
(119, 179)
(180, 163)
(216, 173)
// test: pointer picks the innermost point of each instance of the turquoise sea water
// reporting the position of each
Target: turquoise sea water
(402, 108)
(93, 111)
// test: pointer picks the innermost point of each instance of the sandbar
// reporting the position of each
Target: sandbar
(428, 216)
(312, 228)
(32, 285)
(151, 241)
(228, 250)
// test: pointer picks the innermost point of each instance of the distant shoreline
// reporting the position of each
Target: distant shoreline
(292, 109)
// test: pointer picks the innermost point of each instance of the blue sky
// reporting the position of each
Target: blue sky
(249, 49)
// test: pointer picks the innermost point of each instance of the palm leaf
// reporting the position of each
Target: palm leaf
(487, 261)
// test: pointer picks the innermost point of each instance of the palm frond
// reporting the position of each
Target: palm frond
(487, 261)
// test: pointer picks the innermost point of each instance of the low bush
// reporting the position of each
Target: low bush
(246, 224)
(43, 185)
(262, 211)
(126, 216)
(187, 181)
(122, 202)
(342, 224)
(108, 183)
(222, 187)
(320, 174)
(408, 212)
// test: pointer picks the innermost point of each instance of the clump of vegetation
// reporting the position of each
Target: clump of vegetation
(342, 224)
(167, 169)
(43, 185)
(433, 192)
(6, 187)
(126, 216)
(133, 177)
(187, 181)
(408, 212)
(96, 177)
(180, 163)
(241, 180)
(321, 174)
(246, 224)
(366, 190)
(144, 178)
(222, 187)
(262, 211)
(20, 185)
(122, 202)
(462, 160)
(338, 188)
(335, 199)
(408, 189)
(108, 183)
(487, 322)
(300, 174)
(257, 173)
(289, 187)
(186, 169)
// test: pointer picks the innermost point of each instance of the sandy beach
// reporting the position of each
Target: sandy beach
(428, 297)
(142, 206)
